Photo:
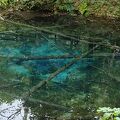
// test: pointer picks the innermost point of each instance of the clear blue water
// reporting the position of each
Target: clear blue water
(92, 82)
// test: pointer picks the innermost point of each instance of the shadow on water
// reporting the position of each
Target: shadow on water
(77, 92)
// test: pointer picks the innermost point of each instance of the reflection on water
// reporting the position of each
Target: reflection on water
(92, 82)
(15, 110)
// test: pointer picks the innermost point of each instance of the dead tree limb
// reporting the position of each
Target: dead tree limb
(9, 85)
(47, 103)
(41, 83)
(114, 47)
(46, 57)
(117, 79)
(56, 26)
(66, 56)
(105, 54)
(27, 58)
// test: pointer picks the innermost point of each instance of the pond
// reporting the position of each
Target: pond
(29, 55)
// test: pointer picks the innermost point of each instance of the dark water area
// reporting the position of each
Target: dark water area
(92, 82)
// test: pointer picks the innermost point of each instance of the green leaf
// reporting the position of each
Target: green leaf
(83, 7)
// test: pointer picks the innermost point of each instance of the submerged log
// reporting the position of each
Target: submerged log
(105, 55)
(46, 57)
(44, 82)
(117, 79)
(64, 56)
(10, 85)
(82, 39)
(27, 58)
(67, 56)
(60, 107)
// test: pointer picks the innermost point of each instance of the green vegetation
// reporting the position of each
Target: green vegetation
(107, 113)
(85, 7)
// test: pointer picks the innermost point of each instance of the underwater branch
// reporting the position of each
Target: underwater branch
(81, 39)
(44, 82)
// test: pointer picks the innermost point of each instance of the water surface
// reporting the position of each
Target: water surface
(94, 81)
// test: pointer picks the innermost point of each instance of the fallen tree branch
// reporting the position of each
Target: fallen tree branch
(41, 83)
(105, 55)
(27, 58)
(47, 103)
(9, 85)
(56, 26)
(62, 35)
(117, 79)
(82, 38)
(67, 56)
(45, 57)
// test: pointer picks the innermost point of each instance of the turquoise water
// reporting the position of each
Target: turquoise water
(94, 81)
